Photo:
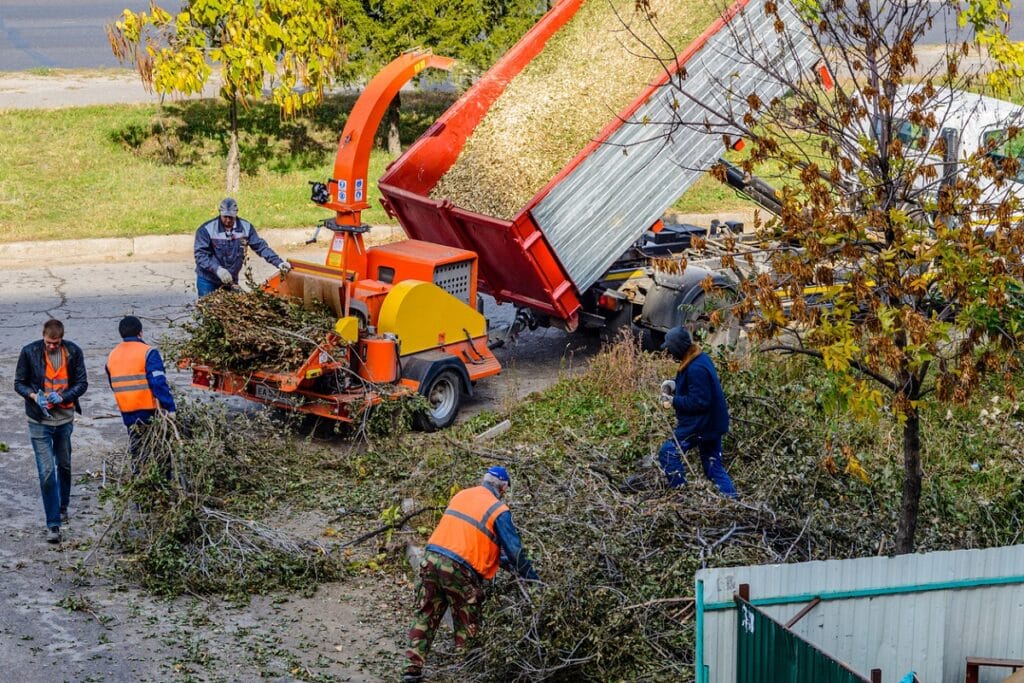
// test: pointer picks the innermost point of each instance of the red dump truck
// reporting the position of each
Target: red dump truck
(576, 254)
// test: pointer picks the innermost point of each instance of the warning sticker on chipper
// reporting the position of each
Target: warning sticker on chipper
(359, 190)
(342, 190)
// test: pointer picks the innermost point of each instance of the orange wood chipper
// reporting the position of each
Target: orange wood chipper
(408, 313)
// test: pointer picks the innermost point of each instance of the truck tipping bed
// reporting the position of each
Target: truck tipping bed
(590, 212)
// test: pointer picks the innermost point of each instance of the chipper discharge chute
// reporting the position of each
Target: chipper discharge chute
(407, 313)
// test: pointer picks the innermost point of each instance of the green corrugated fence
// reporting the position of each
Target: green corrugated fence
(768, 652)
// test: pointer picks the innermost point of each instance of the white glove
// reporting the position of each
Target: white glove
(284, 267)
(224, 275)
(668, 387)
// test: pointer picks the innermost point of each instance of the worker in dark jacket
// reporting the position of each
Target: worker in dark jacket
(220, 249)
(702, 416)
(51, 377)
(474, 536)
(137, 377)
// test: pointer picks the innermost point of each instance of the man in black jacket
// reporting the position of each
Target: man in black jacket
(51, 377)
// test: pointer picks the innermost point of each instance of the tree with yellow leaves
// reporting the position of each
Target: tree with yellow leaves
(292, 49)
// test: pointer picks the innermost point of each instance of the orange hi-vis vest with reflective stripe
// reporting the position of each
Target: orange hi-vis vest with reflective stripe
(127, 367)
(467, 529)
(57, 380)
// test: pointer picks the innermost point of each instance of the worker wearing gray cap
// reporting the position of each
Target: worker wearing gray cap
(220, 249)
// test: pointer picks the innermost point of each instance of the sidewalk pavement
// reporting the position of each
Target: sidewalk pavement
(283, 241)
(165, 247)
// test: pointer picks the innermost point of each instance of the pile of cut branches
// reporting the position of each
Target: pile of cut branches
(185, 516)
(618, 569)
(247, 331)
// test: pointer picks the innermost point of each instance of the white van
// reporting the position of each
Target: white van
(970, 124)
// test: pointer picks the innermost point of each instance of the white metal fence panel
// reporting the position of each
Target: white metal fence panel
(925, 612)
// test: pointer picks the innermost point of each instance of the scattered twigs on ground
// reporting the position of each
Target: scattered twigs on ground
(184, 512)
(397, 524)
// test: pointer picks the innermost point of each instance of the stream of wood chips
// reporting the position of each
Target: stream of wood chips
(588, 72)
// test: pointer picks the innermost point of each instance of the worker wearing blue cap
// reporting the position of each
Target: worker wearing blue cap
(702, 416)
(474, 536)
(220, 249)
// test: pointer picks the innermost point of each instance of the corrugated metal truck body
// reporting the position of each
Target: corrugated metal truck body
(575, 227)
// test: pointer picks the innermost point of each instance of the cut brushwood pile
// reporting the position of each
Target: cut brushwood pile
(248, 331)
(618, 568)
(187, 516)
(588, 72)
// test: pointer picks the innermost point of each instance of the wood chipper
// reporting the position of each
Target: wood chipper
(409, 315)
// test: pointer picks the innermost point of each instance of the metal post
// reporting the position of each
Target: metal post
(744, 591)
(699, 668)
(876, 676)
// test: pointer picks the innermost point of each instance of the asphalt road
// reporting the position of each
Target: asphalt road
(58, 33)
(70, 33)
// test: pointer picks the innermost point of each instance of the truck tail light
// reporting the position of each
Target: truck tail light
(609, 303)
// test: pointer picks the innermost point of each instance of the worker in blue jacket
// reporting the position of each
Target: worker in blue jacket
(702, 416)
(220, 249)
(135, 371)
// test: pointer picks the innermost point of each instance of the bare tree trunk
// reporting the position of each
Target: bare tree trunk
(913, 473)
(234, 171)
(394, 141)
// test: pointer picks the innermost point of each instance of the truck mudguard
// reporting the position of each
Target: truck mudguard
(666, 304)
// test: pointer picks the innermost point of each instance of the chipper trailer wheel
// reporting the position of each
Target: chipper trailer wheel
(445, 395)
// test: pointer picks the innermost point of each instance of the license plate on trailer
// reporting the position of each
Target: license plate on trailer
(266, 393)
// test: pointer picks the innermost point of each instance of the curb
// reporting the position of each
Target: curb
(171, 247)
(158, 247)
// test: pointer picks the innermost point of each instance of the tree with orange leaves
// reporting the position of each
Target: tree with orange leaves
(896, 258)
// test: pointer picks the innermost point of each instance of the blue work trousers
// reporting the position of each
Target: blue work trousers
(52, 446)
(204, 286)
(670, 459)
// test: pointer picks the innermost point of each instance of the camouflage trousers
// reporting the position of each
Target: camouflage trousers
(444, 583)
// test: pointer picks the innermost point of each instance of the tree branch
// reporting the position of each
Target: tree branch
(860, 367)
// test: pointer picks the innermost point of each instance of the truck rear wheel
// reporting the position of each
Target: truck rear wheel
(444, 392)
(651, 340)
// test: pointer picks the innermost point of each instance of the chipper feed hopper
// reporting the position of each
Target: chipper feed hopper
(408, 317)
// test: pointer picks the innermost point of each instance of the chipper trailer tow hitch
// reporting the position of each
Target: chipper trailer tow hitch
(408, 312)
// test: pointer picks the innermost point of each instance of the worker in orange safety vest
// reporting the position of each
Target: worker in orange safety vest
(51, 377)
(474, 536)
(136, 374)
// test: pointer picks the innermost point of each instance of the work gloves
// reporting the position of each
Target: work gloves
(224, 275)
(668, 390)
(54, 398)
(43, 403)
(284, 267)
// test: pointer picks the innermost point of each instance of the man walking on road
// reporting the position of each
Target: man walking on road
(135, 371)
(220, 249)
(474, 535)
(702, 416)
(51, 377)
